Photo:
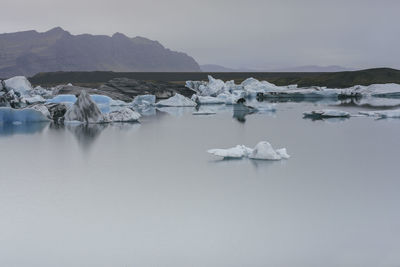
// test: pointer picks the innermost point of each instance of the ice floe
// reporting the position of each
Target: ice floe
(263, 151)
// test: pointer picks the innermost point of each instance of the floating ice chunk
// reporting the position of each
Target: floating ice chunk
(395, 113)
(177, 100)
(238, 151)
(326, 113)
(144, 100)
(264, 150)
(84, 110)
(282, 152)
(19, 84)
(10, 115)
(122, 115)
(63, 99)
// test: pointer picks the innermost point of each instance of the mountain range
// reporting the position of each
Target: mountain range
(30, 52)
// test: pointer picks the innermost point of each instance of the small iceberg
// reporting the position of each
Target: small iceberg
(238, 151)
(122, 115)
(265, 151)
(177, 100)
(326, 113)
(262, 151)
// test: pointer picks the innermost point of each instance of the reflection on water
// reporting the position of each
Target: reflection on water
(86, 134)
(23, 128)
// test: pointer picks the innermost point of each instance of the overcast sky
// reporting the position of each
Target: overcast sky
(254, 33)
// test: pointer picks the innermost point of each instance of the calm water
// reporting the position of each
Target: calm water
(149, 195)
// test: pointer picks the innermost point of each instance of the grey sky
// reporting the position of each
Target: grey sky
(253, 33)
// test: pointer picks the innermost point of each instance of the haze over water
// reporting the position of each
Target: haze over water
(148, 194)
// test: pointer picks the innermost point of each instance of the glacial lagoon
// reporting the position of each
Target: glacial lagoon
(141, 194)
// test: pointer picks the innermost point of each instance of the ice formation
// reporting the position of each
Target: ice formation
(326, 113)
(18, 84)
(263, 151)
(24, 115)
(84, 110)
(177, 100)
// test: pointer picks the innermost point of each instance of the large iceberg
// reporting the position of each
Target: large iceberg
(84, 110)
(263, 151)
(177, 100)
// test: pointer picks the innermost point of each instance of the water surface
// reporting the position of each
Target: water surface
(148, 194)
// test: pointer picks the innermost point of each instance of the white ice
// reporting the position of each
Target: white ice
(19, 84)
(263, 151)
(177, 100)
(123, 115)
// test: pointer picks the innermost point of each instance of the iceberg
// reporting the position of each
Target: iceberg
(263, 151)
(122, 115)
(238, 151)
(84, 110)
(326, 113)
(18, 84)
(177, 100)
(17, 116)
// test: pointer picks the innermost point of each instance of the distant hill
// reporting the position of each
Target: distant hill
(302, 79)
(314, 68)
(30, 52)
(219, 68)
